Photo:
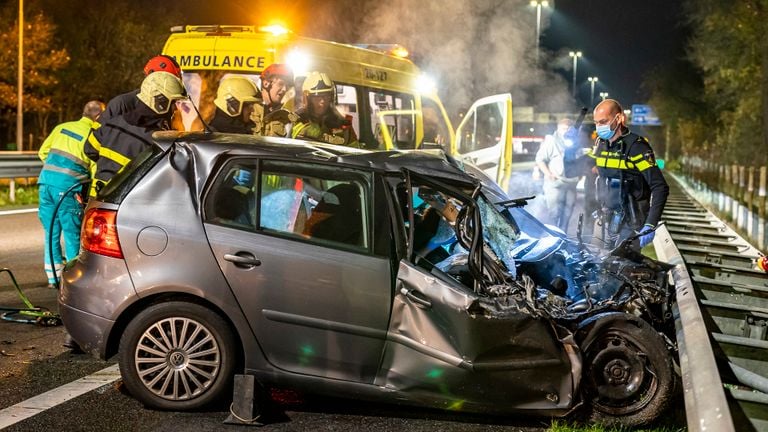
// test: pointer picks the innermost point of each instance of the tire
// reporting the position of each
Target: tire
(628, 378)
(179, 370)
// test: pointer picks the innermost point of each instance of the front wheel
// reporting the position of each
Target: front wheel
(628, 375)
(177, 356)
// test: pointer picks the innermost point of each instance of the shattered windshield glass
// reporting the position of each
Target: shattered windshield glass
(499, 232)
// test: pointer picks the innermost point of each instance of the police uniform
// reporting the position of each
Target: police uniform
(333, 128)
(631, 189)
(65, 165)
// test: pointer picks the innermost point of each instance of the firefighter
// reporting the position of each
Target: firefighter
(127, 101)
(235, 99)
(318, 118)
(64, 166)
(631, 190)
(269, 117)
(122, 138)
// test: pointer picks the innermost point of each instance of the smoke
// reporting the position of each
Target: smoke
(472, 49)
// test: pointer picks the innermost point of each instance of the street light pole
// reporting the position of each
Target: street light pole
(592, 81)
(575, 56)
(20, 79)
(538, 4)
(603, 95)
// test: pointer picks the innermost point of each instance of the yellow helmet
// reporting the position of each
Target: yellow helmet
(233, 92)
(317, 83)
(160, 89)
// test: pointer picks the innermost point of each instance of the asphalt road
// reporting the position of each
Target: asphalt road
(33, 361)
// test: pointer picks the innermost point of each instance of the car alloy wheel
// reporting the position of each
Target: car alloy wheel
(177, 356)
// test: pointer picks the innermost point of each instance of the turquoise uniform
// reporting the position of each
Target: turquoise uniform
(65, 164)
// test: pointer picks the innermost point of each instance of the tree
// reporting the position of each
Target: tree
(43, 58)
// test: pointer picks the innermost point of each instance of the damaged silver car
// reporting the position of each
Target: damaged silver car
(395, 276)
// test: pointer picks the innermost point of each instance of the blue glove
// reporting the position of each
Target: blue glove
(647, 238)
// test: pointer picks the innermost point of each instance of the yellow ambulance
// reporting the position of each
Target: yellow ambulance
(390, 102)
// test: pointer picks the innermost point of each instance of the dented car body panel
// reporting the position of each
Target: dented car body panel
(448, 294)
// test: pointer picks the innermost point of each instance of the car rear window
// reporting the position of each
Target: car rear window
(122, 183)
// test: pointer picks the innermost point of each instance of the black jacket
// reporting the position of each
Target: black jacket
(627, 172)
(222, 122)
(119, 105)
(121, 139)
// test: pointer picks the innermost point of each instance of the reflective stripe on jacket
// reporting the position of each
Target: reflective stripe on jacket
(65, 161)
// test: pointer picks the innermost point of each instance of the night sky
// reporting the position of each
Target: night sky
(622, 42)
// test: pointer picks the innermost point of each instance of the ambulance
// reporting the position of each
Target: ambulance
(391, 104)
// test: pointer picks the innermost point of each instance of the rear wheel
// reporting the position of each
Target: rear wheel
(628, 375)
(177, 356)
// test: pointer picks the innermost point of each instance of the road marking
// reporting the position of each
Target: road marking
(20, 211)
(36, 405)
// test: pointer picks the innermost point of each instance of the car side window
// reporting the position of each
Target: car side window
(325, 205)
(232, 199)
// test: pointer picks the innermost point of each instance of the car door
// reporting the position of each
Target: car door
(454, 347)
(484, 137)
(303, 266)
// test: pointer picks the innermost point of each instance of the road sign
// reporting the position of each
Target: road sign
(643, 115)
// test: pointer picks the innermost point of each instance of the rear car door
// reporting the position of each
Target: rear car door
(296, 244)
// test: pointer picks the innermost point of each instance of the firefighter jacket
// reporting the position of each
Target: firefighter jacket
(120, 105)
(333, 128)
(63, 154)
(222, 122)
(629, 179)
(121, 139)
(272, 122)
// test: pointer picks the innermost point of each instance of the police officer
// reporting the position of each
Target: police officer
(65, 165)
(235, 99)
(122, 138)
(269, 117)
(631, 189)
(125, 102)
(318, 117)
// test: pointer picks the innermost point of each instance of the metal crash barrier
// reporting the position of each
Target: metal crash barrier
(706, 406)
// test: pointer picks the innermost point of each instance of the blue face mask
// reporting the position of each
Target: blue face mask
(604, 131)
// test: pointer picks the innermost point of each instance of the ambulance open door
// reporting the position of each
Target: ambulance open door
(484, 137)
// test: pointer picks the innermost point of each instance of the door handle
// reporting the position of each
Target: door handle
(412, 296)
(243, 259)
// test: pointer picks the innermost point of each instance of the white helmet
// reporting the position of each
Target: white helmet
(160, 89)
(233, 92)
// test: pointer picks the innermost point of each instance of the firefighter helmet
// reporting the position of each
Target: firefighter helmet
(316, 84)
(159, 90)
(162, 62)
(276, 70)
(233, 92)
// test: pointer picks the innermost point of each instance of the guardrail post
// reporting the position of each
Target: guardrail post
(749, 194)
(761, 192)
(12, 191)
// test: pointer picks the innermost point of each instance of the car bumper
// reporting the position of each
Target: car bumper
(91, 332)
(95, 291)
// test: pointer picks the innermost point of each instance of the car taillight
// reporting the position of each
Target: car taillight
(99, 234)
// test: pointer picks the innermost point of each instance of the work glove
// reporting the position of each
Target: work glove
(647, 238)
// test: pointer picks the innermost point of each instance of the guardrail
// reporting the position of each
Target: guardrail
(18, 165)
(706, 406)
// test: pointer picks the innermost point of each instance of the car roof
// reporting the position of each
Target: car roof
(433, 163)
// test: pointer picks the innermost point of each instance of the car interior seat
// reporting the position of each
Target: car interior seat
(337, 216)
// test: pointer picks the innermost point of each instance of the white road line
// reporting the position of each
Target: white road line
(36, 405)
(20, 211)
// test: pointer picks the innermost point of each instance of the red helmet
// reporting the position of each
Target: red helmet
(162, 63)
(277, 70)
